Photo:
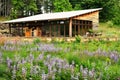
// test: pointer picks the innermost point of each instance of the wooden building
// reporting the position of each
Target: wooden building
(60, 24)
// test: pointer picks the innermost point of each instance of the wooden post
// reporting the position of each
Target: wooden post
(54, 32)
(64, 30)
(75, 28)
(50, 30)
(22, 29)
(59, 30)
(79, 29)
(82, 27)
(70, 27)
(9, 28)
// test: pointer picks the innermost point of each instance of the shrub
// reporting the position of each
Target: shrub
(78, 38)
(110, 24)
(37, 40)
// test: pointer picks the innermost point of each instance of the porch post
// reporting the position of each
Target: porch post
(22, 31)
(64, 30)
(70, 28)
(9, 28)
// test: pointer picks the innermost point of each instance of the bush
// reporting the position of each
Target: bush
(37, 40)
(110, 24)
(78, 38)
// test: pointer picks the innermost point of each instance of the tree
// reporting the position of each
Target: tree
(30, 7)
(23, 8)
(116, 10)
(62, 5)
(17, 8)
(107, 5)
(77, 7)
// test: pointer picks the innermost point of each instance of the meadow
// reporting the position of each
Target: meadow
(38, 60)
(61, 60)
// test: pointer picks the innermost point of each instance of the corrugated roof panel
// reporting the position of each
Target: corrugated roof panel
(52, 16)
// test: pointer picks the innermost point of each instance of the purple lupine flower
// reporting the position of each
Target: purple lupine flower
(1, 57)
(30, 58)
(72, 68)
(114, 57)
(54, 70)
(91, 73)
(41, 56)
(9, 62)
(85, 73)
(23, 61)
(81, 68)
(49, 68)
(48, 57)
(74, 77)
(34, 70)
(44, 76)
(17, 58)
(48, 48)
(14, 72)
(24, 71)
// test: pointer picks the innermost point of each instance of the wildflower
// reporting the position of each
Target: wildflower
(14, 72)
(41, 56)
(34, 70)
(9, 62)
(91, 73)
(114, 57)
(23, 71)
(44, 76)
(1, 57)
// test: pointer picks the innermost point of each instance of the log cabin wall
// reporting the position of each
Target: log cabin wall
(93, 16)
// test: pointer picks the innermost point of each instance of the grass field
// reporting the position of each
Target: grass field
(93, 60)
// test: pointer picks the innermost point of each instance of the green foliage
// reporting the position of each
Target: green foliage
(36, 41)
(116, 11)
(77, 7)
(110, 11)
(78, 38)
(22, 8)
(110, 24)
(62, 5)
(13, 14)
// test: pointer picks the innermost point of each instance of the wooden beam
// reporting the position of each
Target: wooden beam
(64, 30)
(50, 30)
(59, 29)
(9, 28)
(78, 29)
(70, 27)
(54, 32)
(22, 31)
(75, 28)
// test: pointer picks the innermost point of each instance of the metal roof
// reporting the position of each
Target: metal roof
(52, 16)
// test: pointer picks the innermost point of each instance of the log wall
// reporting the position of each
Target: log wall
(93, 16)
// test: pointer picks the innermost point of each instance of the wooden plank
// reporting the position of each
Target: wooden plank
(64, 30)
(75, 28)
(70, 28)
(9, 28)
(22, 31)
(59, 30)
(78, 29)
(50, 29)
